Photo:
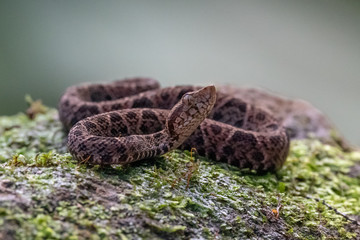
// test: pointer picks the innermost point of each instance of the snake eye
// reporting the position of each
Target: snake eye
(187, 98)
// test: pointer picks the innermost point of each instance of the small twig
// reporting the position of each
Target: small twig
(84, 160)
(191, 153)
(191, 169)
(334, 209)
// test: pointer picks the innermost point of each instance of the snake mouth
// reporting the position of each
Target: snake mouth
(207, 95)
(211, 89)
(190, 111)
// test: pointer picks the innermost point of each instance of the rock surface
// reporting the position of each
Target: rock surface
(45, 194)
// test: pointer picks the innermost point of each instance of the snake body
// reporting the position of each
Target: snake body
(128, 120)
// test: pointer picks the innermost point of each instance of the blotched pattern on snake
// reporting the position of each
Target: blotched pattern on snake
(128, 120)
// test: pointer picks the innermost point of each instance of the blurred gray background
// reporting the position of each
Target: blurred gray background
(302, 49)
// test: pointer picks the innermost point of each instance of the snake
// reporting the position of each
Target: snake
(134, 119)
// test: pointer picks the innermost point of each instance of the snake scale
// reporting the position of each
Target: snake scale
(132, 119)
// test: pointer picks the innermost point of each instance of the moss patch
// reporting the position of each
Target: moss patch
(44, 193)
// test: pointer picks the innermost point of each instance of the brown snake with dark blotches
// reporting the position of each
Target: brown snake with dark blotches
(125, 121)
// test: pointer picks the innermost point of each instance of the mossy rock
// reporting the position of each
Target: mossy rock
(46, 194)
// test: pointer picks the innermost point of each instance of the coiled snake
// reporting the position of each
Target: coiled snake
(128, 120)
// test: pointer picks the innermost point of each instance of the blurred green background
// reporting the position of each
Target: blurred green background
(302, 49)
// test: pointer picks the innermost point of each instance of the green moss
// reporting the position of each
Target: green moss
(46, 194)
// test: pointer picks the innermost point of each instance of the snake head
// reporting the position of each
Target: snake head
(189, 112)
